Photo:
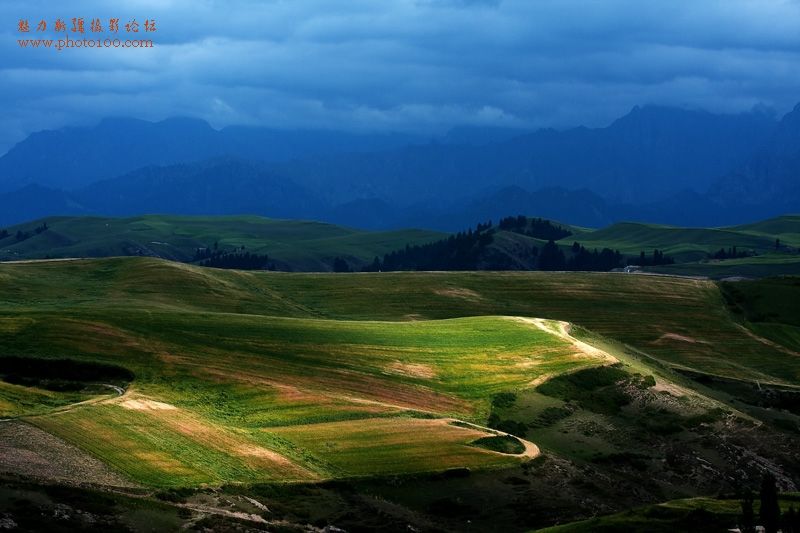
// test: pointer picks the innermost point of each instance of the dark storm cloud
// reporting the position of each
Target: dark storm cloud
(421, 65)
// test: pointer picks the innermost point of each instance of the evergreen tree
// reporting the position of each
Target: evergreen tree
(551, 257)
(340, 265)
(747, 524)
(770, 509)
(790, 521)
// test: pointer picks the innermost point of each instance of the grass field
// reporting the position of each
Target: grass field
(683, 322)
(693, 243)
(249, 377)
(224, 397)
(769, 307)
(684, 244)
(693, 514)
(291, 244)
(691, 247)
(313, 246)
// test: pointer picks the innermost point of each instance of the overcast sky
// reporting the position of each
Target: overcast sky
(411, 65)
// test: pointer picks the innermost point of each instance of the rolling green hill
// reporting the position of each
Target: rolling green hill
(290, 244)
(679, 321)
(313, 246)
(406, 385)
(786, 228)
(694, 514)
(691, 247)
(684, 244)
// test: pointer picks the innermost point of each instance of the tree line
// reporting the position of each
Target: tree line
(538, 228)
(21, 235)
(730, 253)
(461, 251)
(770, 516)
(237, 258)
(471, 250)
(657, 258)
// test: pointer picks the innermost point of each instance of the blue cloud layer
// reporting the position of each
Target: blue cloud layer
(419, 65)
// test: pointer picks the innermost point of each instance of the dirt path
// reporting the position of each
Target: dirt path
(208, 509)
(562, 331)
(119, 390)
(66, 408)
(531, 450)
(766, 341)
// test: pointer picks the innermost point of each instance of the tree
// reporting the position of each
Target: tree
(340, 265)
(551, 257)
(747, 524)
(770, 509)
(791, 521)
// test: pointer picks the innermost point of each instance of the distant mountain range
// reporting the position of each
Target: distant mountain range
(70, 158)
(655, 164)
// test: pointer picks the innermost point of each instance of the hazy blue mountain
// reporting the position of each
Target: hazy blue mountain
(655, 164)
(34, 201)
(650, 153)
(70, 158)
(215, 187)
(372, 214)
(770, 179)
(481, 135)
(581, 208)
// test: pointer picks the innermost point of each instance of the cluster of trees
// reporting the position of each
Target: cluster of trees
(658, 258)
(730, 253)
(538, 228)
(237, 259)
(340, 265)
(551, 257)
(23, 235)
(470, 251)
(770, 517)
(462, 251)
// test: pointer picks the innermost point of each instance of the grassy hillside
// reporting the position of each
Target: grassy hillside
(291, 244)
(691, 248)
(314, 246)
(684, 244)
(682, 322)
(242, 379)
(785, 228)
(234, 397)
(769, 307)
(695, 514)
(760, 266)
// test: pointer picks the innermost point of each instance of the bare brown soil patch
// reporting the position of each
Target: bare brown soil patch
(414, 370)
(680, 338)
(458, 292)
(29, 451)
(147, 405)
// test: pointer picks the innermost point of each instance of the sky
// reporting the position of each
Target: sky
(399, 65)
